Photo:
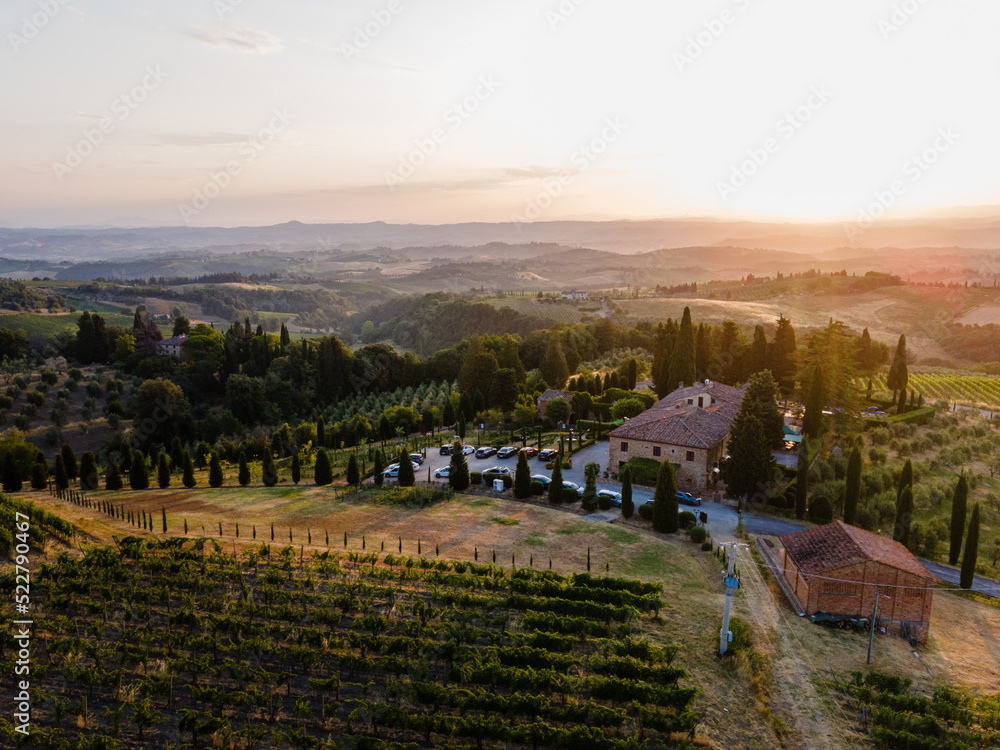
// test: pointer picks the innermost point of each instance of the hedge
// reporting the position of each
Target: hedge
(919, 416)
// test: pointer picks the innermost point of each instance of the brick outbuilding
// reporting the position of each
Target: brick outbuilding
(859, 560)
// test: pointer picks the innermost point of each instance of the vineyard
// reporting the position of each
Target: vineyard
(974, 390)
(896, 718)
(158, 641)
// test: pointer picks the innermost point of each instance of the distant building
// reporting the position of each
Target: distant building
(575, 294)
(688, 427)
(171, 347)
(551, 395)
(56, 363)
(834, 569)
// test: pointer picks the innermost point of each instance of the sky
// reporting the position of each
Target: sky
(245, 112)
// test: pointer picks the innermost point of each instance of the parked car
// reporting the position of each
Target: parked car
(485, 452)
(506, 452)
(444, 471)
(541, 479)
(685, 498)
(392, 471)
(567, 485)
(445, 450)
(417, 458)
(614, 497)
(496, 471)
(468, 450)
(529, 452)
(548, 454)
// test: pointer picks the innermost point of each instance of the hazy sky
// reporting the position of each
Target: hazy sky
(253, 112)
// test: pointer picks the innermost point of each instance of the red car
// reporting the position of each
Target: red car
(529, 452)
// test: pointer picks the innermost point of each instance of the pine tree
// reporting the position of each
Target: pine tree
(163, 472)
(61, 477)
(958, 508)
(269, 472)
(11, 475)
(378, 469)
(138, 478)
(296, 468)
(852, 491)
(522, 477)
(69, 460)
(188, 479)
(904, 515)
(406, 477)
(971, 550)
(898, 376)
(628, 507)
(802, 481)
(243, 477)
(353, 472)
(682, 367)
(113, 477)
(812, 422)
(665, 500)
(88, 472)
(323, 474)
(215, 475)
(458, 469)
(556, 485)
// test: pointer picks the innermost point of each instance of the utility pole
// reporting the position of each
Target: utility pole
(871, 637)
(732, 583)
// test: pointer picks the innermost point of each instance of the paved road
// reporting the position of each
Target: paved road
(723, 520)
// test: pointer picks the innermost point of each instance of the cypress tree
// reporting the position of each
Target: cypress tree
(556, 485)
(269, 472)
(958, 508)
(904, 515)
(243, 477)
(62, 478)
(138, 478)
(628, 507)
(353, 473)
(589, 500)
(177, 453)
(378, 470)
(898, 376)
(682, 369)
(406, 477)
(971, 550)
(113, 477)
(554, 367)
(812, 422)
(39, 475)
(188, 479)
(802, 481)
(522, 477)
(324, 470)
(88, 472)
(296, 468)
(458, 469)
(321, 433)
(852, 492)
(665, 500)
(905, 478)
(215, 475)
(11, 476)
(163, 472)
(69, 460)
(163, 511)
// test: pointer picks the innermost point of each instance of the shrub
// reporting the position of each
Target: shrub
(706, 546)
(646, 512)
(75, 373)
(820, 510)
(36, 399)
(686, 519)
(537, 488)
(644, 470)
(569, 495)
(49, 377)
(698, 535)
(6, 402)
(741, 634)
(476, 477)
(604, 502)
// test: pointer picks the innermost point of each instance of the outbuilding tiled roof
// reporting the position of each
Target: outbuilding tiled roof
(552, 395)
(837, 545)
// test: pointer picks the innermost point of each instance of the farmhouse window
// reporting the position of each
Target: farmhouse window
(690, 456)
(656, 450)
(624, 447)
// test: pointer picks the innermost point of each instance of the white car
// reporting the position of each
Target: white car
(393, 470)
(444, 471)
(468, 450)
(614, 497)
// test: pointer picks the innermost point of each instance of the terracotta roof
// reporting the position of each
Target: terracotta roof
(689, 426)
(837, 545)
(552, 395)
